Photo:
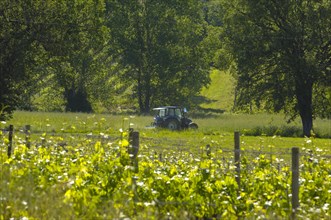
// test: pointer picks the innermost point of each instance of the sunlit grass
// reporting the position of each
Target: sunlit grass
(86, 123)
(218, 131)
(220, 92)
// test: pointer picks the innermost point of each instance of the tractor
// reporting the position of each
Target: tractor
(173, 118)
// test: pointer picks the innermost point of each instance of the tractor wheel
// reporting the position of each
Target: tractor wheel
(173, 125)
(193, 126)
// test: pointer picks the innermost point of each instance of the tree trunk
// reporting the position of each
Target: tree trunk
(307, 124)
(139, 88)
(144, 94)
(77, 101)
(147, 92)
(147, 104)
(304, 97)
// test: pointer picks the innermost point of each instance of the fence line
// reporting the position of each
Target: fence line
(27, 132)
(237, 152)
(208, 150)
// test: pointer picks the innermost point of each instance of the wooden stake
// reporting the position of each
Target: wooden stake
(295, 179)
(27, 135)
(237, 156)
(10, 138)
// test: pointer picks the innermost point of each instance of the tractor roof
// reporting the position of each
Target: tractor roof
(165, 107)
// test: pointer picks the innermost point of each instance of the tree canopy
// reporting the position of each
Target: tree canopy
(82, 55)
(282, 50)
(161, 46)
(34, 36)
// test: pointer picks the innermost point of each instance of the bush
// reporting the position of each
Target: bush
(284, 131)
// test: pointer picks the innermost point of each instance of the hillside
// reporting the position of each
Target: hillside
(220, 93)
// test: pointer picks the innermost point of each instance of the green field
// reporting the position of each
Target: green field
(245, 123)
(220, 93)
(215, 130)
(78, 168)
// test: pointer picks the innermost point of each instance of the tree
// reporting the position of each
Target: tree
(283, 54)
(64, 32)
(160, 46)
(13, 46)
(85, 37)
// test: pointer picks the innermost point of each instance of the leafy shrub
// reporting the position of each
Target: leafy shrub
(284, 131)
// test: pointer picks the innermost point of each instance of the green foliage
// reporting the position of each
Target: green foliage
(48, 100)
(47, 46)
(161, 46)
(102, 55)
(284, 131)
(94, 179)
(106, 55)
(282, 54)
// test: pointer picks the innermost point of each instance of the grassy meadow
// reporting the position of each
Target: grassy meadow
(223, 123)
(220, 92)
(218, 129)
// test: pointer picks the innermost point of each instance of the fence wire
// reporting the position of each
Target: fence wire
(156, 144)
(179, 150)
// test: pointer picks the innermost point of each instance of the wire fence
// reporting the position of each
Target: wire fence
(157, 151)
(181, 147)
(231, 158)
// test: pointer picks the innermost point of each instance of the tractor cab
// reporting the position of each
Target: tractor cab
(173, 118)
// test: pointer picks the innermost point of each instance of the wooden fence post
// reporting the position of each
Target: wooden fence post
(237, 156)
(27, 135)
(43, 141)
(134, 148)
(10, 138)
(208, 150)
(295, 179)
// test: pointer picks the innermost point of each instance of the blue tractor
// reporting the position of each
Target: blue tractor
(173, 118)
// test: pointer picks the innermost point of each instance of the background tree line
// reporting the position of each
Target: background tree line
(92, 55)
